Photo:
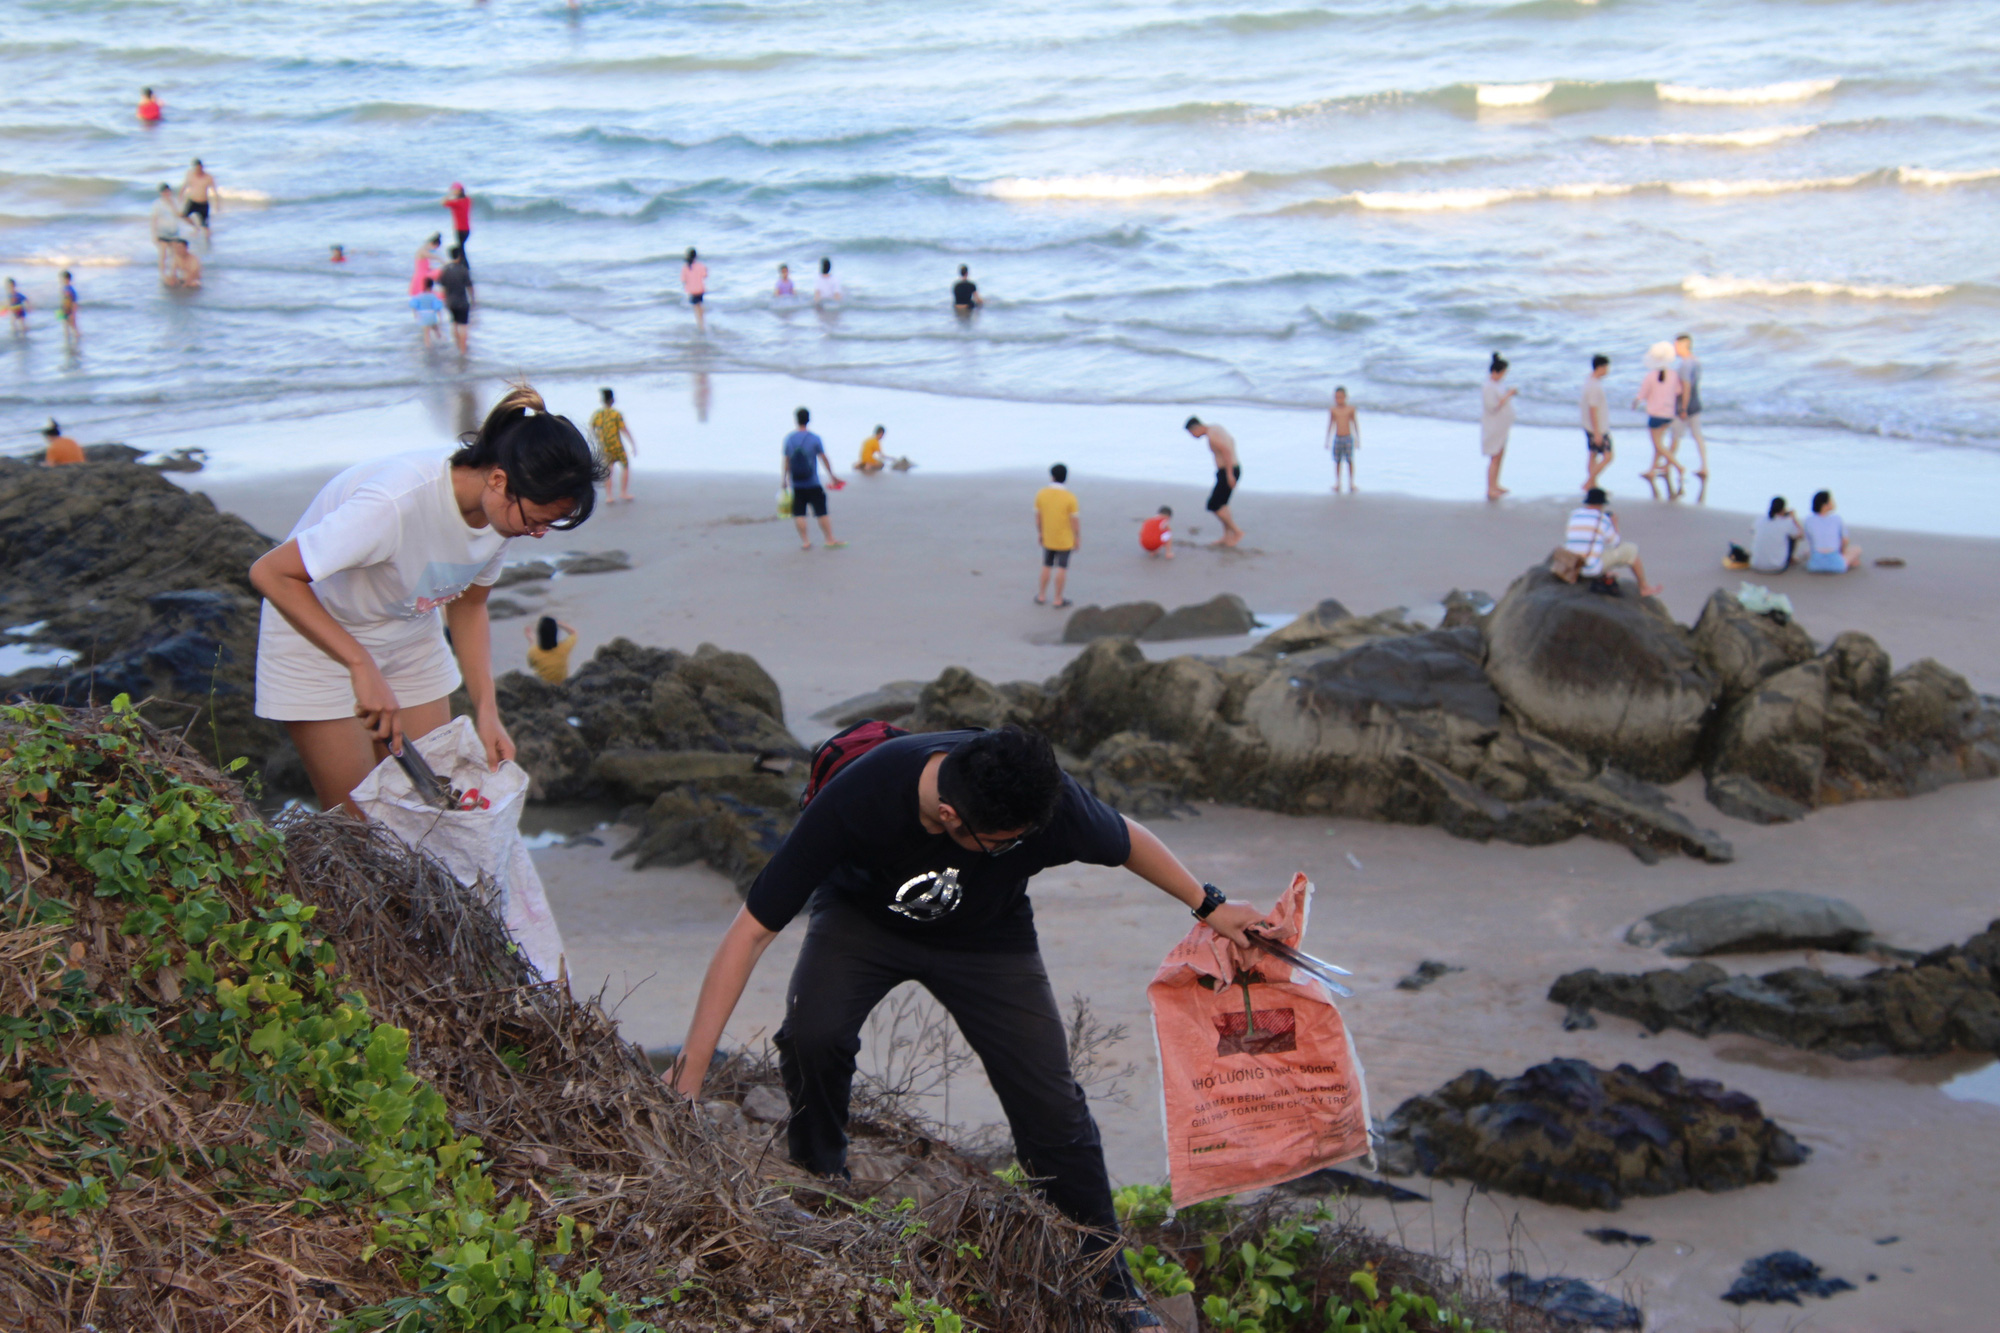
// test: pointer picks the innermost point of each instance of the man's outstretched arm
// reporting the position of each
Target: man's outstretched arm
(721, 987)
(1152, 862)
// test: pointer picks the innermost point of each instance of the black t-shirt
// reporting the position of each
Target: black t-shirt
(861, 842)
(962, 291)
(456, 281)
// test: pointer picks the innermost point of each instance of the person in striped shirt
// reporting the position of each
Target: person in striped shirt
(1593, 534)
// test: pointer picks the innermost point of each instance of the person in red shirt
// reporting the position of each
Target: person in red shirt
(460, 204)
(1156, 537)
(149, 107)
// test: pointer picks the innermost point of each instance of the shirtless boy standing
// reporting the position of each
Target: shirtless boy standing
(198, 195)
(1228, 471)
(1343, 436)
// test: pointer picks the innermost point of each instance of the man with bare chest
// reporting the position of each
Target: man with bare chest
(198, 195)
(1343, 436)
(1228, 472)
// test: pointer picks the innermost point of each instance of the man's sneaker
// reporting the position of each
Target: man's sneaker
(1138, 1316)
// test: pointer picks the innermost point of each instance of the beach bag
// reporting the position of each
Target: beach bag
(479, 845)
(1566, 564)
(1259, 1080)
(841, 749)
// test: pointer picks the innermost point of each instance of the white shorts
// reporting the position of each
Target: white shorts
(296, 682)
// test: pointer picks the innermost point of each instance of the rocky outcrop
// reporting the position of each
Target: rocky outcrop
(149, 586)
(1783, 1276)
(1221, 616)
(891, 703)
(1612, 677)
(1568, 1132)
(1125, 620)
(1751, 923)
(1946, 1000)
(1571, 1302)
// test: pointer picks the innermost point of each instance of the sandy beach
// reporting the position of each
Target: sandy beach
(941, 572)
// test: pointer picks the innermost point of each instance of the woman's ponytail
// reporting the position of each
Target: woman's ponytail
(543, 455)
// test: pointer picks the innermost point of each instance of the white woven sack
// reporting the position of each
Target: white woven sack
(471, 843)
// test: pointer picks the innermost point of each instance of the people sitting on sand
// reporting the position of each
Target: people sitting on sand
(871, 459)
(1774, 538)
(1593, 534)
(1831, 551)
(1156, 534)
(60, 450)
(187, 264)
(548, 650)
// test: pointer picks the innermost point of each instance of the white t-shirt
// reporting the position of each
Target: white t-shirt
(385, 544)
(1593, 397)
(1825, 531)
(827, 288)
(166, 219)
(1769, 549)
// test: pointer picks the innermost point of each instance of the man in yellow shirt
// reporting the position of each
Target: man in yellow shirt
(871, 452)
(1059, 531)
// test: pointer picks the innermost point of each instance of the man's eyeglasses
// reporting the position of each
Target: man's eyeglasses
(996, 848)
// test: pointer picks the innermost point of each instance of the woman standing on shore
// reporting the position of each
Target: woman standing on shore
(427, 268)
(1660, 394)
(351, 649)
(1496, 418)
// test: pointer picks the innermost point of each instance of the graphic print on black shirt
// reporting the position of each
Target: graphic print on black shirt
(861, 841)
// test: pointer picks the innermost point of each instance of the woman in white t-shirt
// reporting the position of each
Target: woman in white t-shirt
(351, 652)
(826, 290)
(1496, 419)
(1832, 550)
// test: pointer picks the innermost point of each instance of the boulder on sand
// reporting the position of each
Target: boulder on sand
(149, 586)
(1125, 620)
(891, 703)
(1946, 1000)
(1221, 616)
(1751, 923)
(1568, 1132)
(1613, 678)
(1740, 648)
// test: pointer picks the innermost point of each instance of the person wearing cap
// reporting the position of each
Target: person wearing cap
(460, 204)
(1593, 534)
(61, 448)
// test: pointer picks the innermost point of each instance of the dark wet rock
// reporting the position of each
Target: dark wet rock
(1747, 799)
(1741, 648)
(1567, 1132)
(1331, 628)
(1125, 620)
(593, 562)
(957, 699)
(630, 701)
(1221, 616)
(1751, 923)
(1332, 1180)
(1857, 666)
(149, 586)
(1613, 1236)
(1945, 1000)
(1139, 776)
(1613, 678)
(187, 459)
(693, 823)
(1775, 733)
(532, 571)
(1426, 972)
(1783, 1276)
(112, 453)
(1571, 1302)
(891, 703)
(1463, 608)
(1577, 1018)
(505, 608)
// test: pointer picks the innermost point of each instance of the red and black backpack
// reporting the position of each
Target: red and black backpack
(843, 748)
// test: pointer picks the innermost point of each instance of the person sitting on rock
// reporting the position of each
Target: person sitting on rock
(914, 860)
(549, 645)
(1593, 534)
(1831, 551)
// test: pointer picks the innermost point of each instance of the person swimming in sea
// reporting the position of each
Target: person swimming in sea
(784, 287)
(149, 107)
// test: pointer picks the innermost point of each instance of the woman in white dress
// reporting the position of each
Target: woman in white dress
(1496, 418)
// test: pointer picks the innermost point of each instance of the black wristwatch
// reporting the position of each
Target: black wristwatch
(1211, 898)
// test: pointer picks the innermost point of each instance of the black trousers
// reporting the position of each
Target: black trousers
(1001, 1002)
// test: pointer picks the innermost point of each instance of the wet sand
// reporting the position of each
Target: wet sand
(941, 572)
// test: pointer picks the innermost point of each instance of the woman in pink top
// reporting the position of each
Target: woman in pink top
(1660, 394)
(694, 281)
(425, 270)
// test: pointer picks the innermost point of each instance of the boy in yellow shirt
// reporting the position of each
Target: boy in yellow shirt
(1059, 531)
(871, 452)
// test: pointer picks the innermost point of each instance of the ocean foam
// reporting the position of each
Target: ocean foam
(1105, 186)
(1514, 94)
(1798, 90)
(1925, 176)
(1758, 138)
(1718, 189)
(237, 195)
(1720, 288)
(1430, 201)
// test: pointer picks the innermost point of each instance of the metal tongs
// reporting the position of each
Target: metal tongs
(431, 789)
(1318, 968)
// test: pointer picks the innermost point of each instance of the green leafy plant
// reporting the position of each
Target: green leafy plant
(925, 1315)
(1397, 1313)
(1160, 1274)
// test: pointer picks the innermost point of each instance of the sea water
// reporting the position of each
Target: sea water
(1163, 201)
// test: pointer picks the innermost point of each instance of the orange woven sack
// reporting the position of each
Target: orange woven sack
(1258, 1074)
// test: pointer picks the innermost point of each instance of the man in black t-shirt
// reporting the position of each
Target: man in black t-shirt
(965, 292)
(914, 861)
(455, 281)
